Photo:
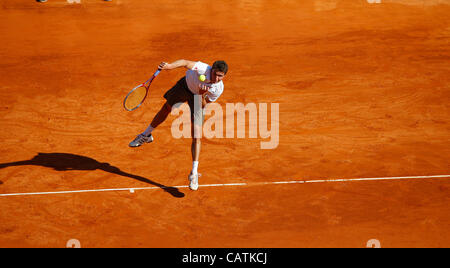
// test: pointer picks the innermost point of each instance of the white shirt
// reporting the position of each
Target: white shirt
(193, 81)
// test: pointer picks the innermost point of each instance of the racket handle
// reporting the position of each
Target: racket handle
(157, 72)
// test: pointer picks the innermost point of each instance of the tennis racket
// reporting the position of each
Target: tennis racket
(137, 95)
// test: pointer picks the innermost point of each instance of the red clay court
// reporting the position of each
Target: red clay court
(363, 91)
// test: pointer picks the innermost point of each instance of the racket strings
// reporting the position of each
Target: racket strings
(135, 98)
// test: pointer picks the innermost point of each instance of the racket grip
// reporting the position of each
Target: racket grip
(157, 72)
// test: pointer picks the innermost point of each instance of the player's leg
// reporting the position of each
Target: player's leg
(196, 132)
(178, 93)
(195, 150)
(146, 136)
(160, 117)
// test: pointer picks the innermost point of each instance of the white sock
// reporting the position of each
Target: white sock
(148, 131)
(194, 167)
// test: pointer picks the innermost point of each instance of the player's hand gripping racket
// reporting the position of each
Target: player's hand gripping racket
(137, 95)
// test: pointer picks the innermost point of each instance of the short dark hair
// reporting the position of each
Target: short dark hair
(221, 66)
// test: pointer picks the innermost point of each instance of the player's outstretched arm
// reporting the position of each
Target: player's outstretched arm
(176, 64)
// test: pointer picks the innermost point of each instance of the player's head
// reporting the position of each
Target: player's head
(218, 71)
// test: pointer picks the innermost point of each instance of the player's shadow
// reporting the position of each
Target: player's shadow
(65, 162)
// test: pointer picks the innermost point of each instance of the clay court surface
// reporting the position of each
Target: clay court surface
(363, 92)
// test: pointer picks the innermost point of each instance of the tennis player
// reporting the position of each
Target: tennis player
(187, 89)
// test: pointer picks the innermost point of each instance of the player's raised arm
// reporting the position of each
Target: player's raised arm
(176, 64)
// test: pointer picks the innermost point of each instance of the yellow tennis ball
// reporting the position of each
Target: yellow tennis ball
(202, 77)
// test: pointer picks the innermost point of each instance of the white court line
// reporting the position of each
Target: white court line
(229, 184)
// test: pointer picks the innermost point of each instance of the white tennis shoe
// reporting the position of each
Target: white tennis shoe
(193, 181)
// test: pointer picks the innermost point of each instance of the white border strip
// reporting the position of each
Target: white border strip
(132, 190)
